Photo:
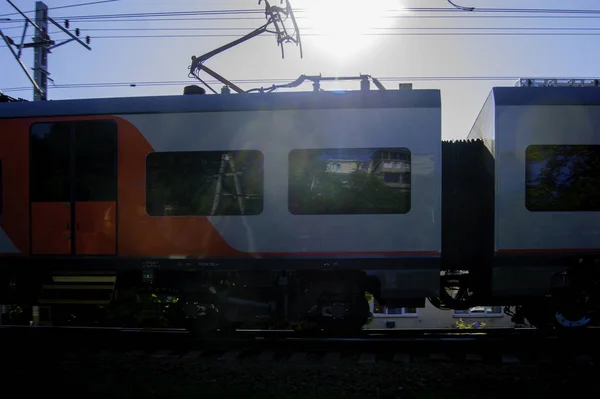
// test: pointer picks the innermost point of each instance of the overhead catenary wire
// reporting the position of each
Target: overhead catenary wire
(390, 79)
(375, 28)
(452, 11)
(564, 32)
(181, 36)
(300, 11)
(247, 14)
(62, 7)
(460, 8)
(300, 17)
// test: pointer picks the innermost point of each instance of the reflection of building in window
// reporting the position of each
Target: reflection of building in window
(562, 178)
(345, 166)
(204, 183)
(486, 311)
(392, 166)
(381, 311)
(349, 181)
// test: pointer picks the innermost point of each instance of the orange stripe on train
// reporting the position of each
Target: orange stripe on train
(138, 233)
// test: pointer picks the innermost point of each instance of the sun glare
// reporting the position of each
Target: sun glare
(346, 27)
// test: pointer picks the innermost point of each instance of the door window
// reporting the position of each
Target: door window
(50, 162)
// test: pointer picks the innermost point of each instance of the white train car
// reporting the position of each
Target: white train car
(320, 188)
(545, 146)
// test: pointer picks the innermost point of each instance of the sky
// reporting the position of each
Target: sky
(340, 38)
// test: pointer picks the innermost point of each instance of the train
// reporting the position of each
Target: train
(287, 209)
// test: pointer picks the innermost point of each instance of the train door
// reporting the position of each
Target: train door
(73, 188)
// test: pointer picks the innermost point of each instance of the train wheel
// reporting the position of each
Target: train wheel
(201, 319)
(539, 314)
(566, 312)
(574, 313)
(345, 318)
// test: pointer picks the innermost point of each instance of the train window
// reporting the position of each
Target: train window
(50, 162)
(562, 178)
(204, 183)
(81, 152)
(96, 160)
(349, 181)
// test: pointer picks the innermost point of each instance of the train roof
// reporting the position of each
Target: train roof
(225, 102)
(504, 96)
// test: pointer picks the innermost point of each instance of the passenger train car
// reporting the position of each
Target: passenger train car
(288, 208)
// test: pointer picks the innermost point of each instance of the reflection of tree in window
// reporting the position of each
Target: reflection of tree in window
(374, 181)
(185, 183)
(563, 178)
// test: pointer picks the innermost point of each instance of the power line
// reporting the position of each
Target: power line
(134, 29)
(166, 14)
(550, 32)
(511, 28)
(61, 7)
(181, 36)
(299, 17)
(302, 10)
(151, 16)
(270, 81)
(460, 8)
(219, 19)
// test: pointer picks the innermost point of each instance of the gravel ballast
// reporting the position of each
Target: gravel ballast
(118, 375)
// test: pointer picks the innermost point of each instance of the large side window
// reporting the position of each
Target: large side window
(562, 178)
(203, 183)
(349, 181)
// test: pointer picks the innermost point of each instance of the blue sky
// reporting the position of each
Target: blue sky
(337, 40)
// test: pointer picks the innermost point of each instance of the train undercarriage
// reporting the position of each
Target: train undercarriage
(205, 303)
(220, 302)
(569, 299)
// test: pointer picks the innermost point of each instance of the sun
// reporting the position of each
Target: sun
(344, 28)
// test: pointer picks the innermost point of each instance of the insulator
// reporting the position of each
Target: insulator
(76, 31)
(67, 23)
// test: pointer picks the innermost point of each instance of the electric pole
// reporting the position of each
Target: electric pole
(40, 53)
(42, 45)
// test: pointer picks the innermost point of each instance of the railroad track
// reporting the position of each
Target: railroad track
(497, 346)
